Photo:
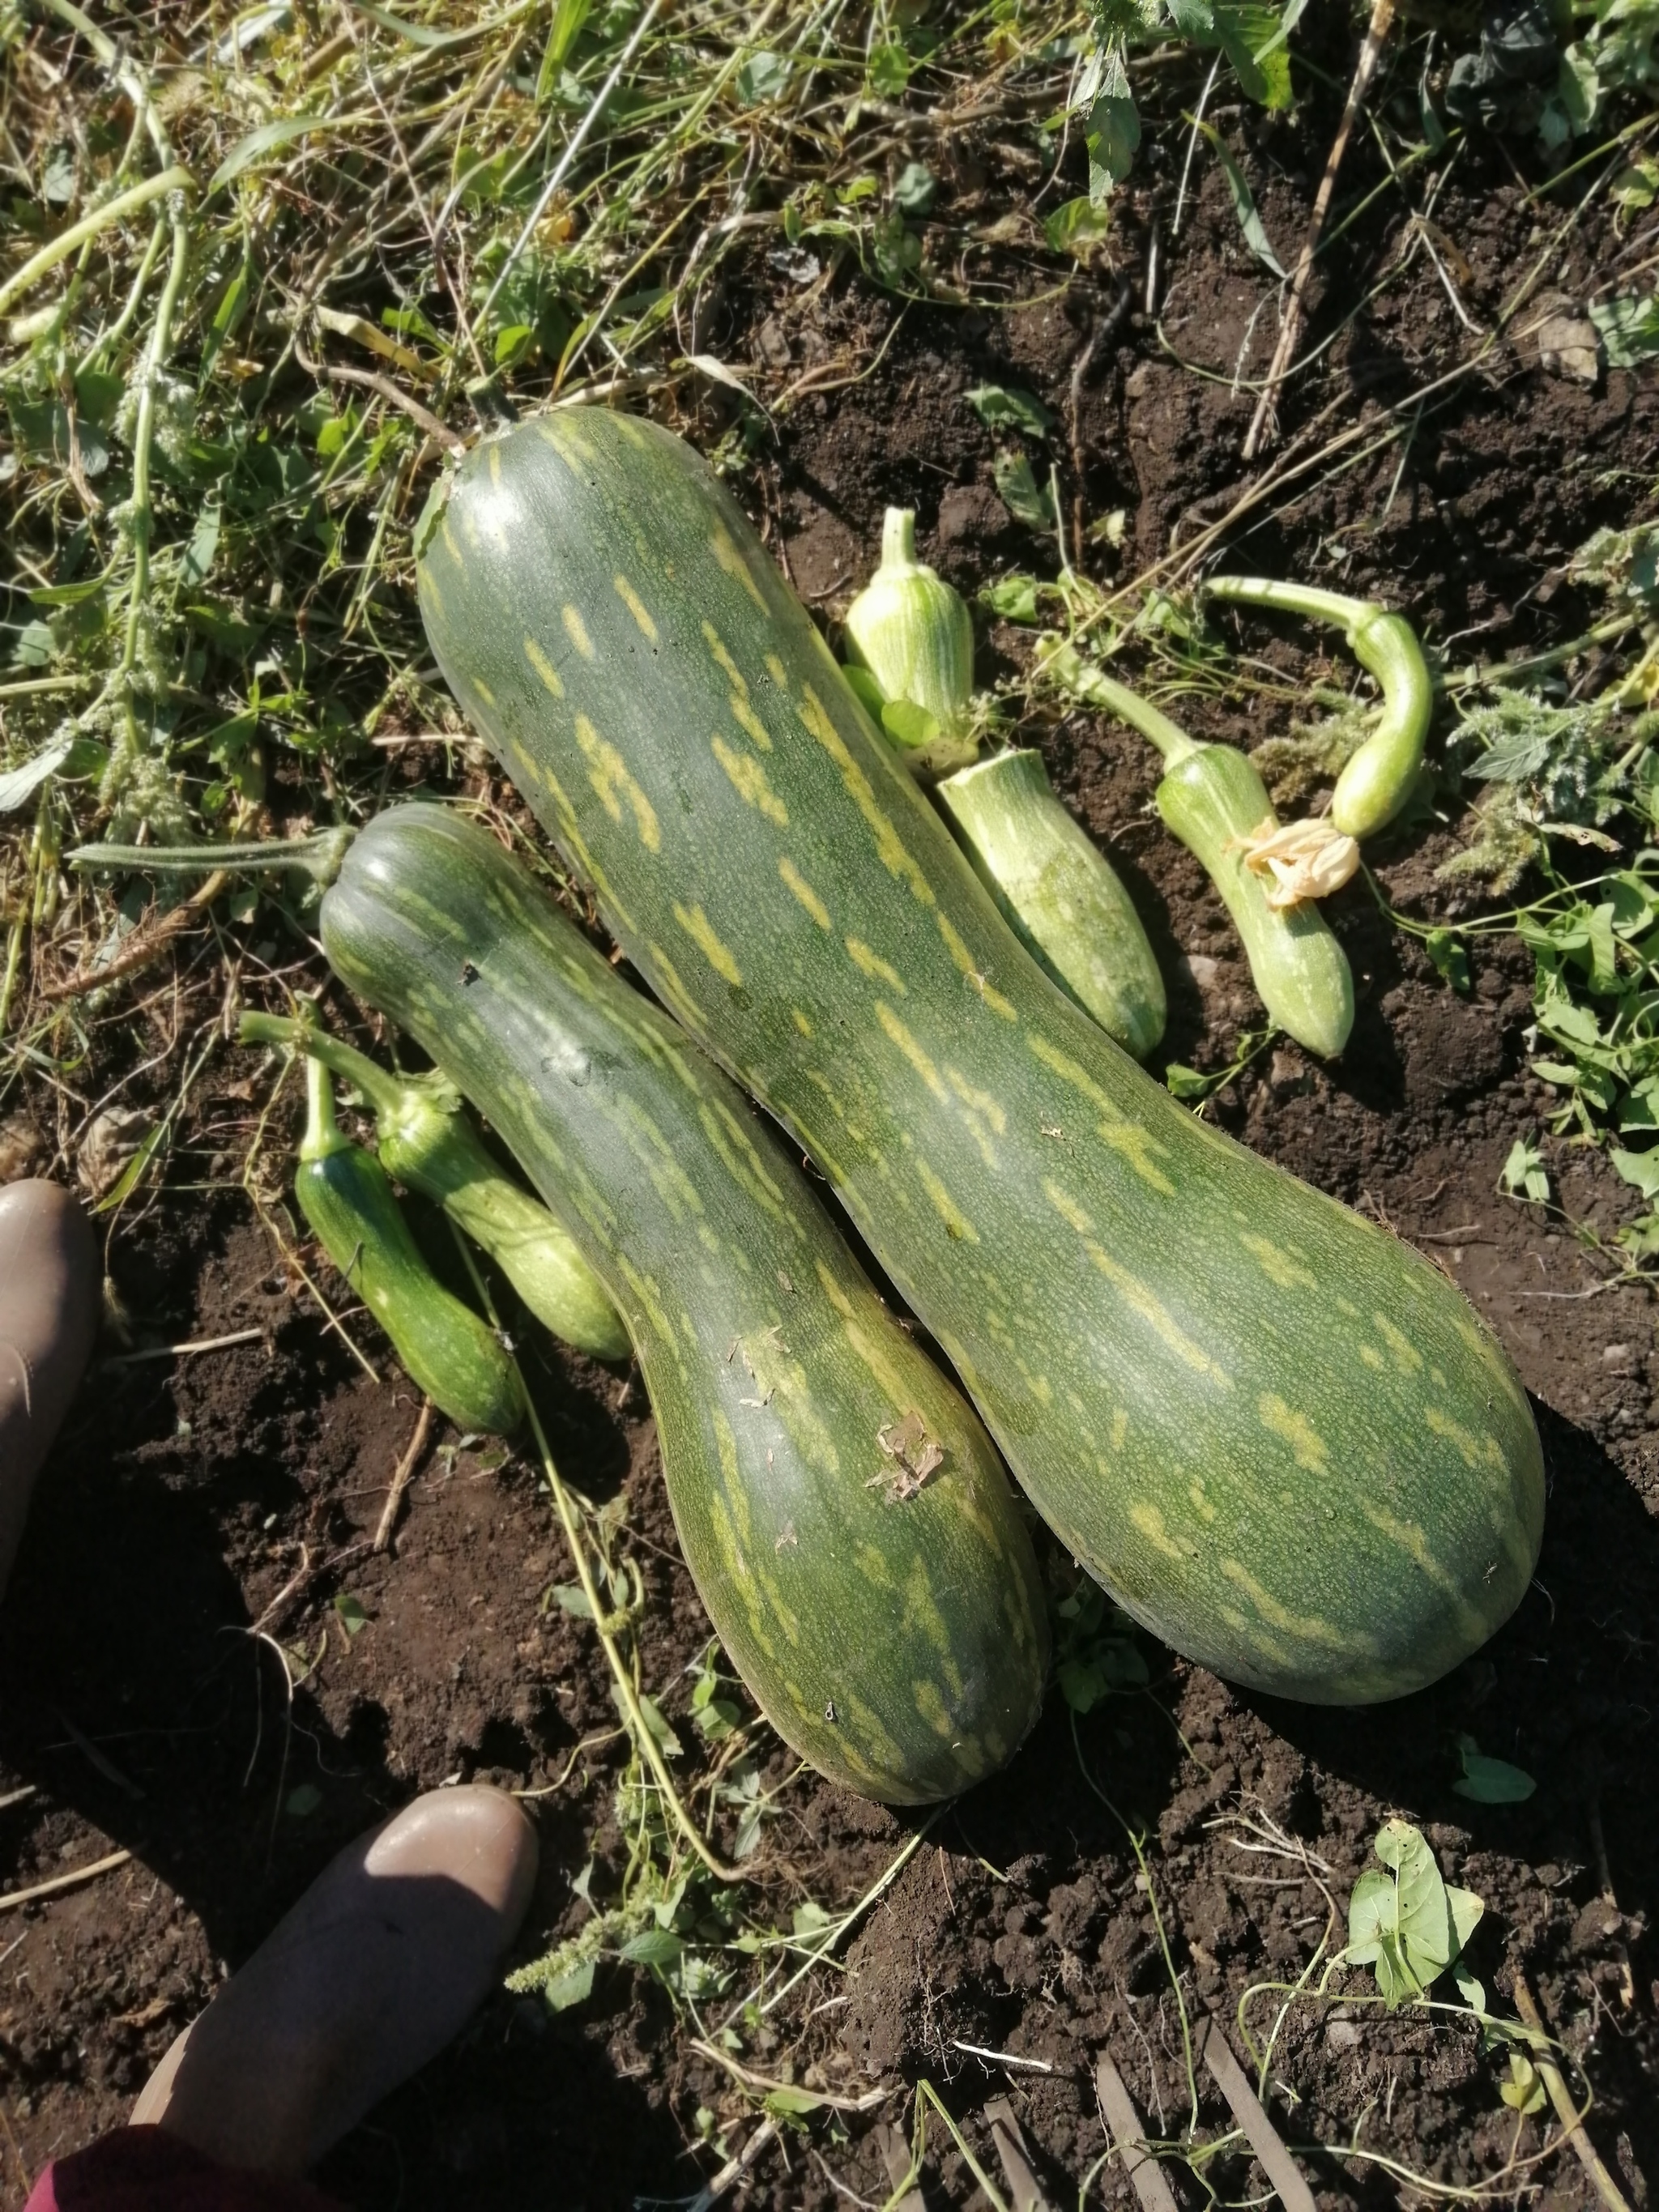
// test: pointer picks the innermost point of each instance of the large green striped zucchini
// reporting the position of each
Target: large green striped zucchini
(1281, 1437)
(844, 1513)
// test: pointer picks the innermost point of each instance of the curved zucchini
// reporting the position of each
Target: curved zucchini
(425, 1139)
(446, 1348)
(843, 1514)
(1281, 1437)
(1058, 894)
(1214, 800)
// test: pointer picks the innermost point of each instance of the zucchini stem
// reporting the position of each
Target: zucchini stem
(1084, 680)
(1378, 780)
(383, 1091)
(319, 854)
(323, 1136)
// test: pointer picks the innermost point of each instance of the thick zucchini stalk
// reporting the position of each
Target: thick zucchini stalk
(1058, 893)
(446, 1348)
(845, 1516)
(425, 1140)
(1377, 781)
(1214, 801)
(911, 632)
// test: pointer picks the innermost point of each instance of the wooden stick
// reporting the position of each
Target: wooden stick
(1276, 2161)
(1008, 2140)
(895, 2157)
(73, 1881)
(1146, 2175)
(1263, 426)
(1561, 2097)
(400, 1480)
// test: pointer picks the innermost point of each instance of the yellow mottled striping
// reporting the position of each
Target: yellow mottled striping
(750, 722)
(1372, 1357)
(804, 892)
(1135, 1294)
(774, 669)
(671, 984)
(1406, 1357)
(872, 1565)
(743, 1138)
(698, 927)
(1413, 1539)
(1279, 1266)
(732, 560)
(965, 961)
(981, 1102)
(749, 779)
(483, 691)
(1125, 1138)
(496, 466)
(1120, 1428)
(800, 1021)
(1201, 1504)
(609, 774)
(1348, 1307)
(1477, 1451)
(576, 630)
(957, 1222)
(1308, 1627)
(728, 667)
(889, 847)
(636, 606)
(864, 958)
(930, 1706)
(544, 667)
(898, 1035)
(1308, 1446)
(1149, 1519)
(869, 1727)
(448, 537)
(922, 1612)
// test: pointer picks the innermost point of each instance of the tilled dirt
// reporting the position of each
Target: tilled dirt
(199, 1510)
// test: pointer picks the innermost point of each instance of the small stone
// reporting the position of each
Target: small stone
(1615, 1355)
(1342, 2034)
(107, 1143)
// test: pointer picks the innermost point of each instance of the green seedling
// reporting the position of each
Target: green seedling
(1410, 1926)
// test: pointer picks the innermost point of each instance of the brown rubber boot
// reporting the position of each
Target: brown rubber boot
(49, 1287)
(379, 1966)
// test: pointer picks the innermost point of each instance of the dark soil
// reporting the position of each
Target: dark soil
(144, 1717)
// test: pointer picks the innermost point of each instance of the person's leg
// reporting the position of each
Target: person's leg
(49, 1286)
(379, 1966)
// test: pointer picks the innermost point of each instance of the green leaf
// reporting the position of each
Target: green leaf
(1184, 1082)
(282, 130)
(1077, 227)
(889, 70)
(1018, 491)
(1524, 2091)
(1111, 136)
(572, 1598)
(1522, 1173)
(917, 190)
(573, 1988)
(1451, 962)
(1411, 1928)
(1256, 236)
(1009, 407)
(1628, 330)
(761, 76)
(203, 546)
(19, 785)
(568, 17)
(865, 688)
(658, 1948)
(1639, 1170)
(909, 724)
(1490, 1781)
(1014, 598)
(352, 1617)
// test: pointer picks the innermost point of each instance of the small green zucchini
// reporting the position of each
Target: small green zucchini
(910, 635)
(425, 1140)
(1213, 799)
(1058, 893)
(1377, 781)
(447, 1349)
(844, 1515)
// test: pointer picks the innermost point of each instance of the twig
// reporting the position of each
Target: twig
(86, 1874)
(734, 2169)
(1571, 2120)
(305, 1575)
(1129, 2138)
(139, 955)
(766, 2087)
(1263, 422)
(371, 380)
(186, 1351)
(1001, 2058)
(1281, 2168)
(17, 1797)
(402, 1477)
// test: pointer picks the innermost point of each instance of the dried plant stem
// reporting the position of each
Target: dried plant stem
(1571, 2120)
(403, 1476)
(1262, 423)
